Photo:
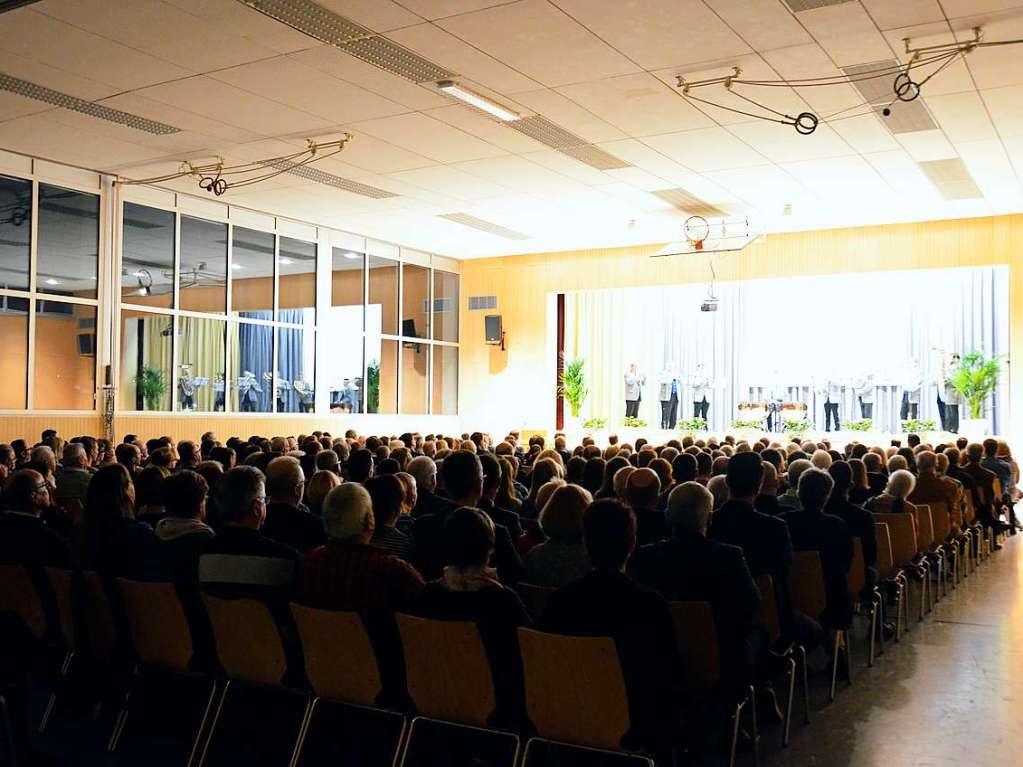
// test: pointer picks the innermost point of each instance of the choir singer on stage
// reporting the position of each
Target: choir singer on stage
(634, 381)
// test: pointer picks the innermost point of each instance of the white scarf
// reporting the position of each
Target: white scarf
(469, 578)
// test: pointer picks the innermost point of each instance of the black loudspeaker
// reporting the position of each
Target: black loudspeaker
(492, 323)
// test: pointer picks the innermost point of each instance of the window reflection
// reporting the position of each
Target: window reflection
(147, 258)
(67, 258)
(15, 232)
(201, 364)
(445, 380)
(296, 365)
(297, 283)
(415, 316)
(147, 360)
(13, 352)
(383, 293)
(203, 272)
(252, 364)
(413, 377)
(252, 273)
(445, 306)
(341, 369)
(381, 376)
(64, 373)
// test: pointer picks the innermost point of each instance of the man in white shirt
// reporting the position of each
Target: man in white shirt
(832, 397)
(911, 394)
(634, 381)
(952, 396)
(701, 384)
(865, 393)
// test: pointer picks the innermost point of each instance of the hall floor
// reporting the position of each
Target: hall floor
(950, 693)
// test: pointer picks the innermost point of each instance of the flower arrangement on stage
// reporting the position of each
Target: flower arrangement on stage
(738, 424)
(864, 424)
(798, 427)
(915, 426)
(573, 385)
(975, 379)
(631, 422)
(692, 424)
(595, 423)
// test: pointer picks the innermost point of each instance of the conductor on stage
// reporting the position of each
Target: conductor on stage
(634, 381)
(700, 386)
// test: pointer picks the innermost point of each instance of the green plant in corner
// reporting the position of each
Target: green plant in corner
(151, 385)
(595, 423)
(573, 385)
(975, 379)
(373, 388)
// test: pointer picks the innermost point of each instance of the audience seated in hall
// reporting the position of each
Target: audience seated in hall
(562, 557)
(641, 493)
(859, 521)
(932, 488)
(424, 470)
(73, 476)
(107, 537)
(387, 495)
(493, 474)
(894, 498)
(182, 535)
(288, 520)
(24, 538)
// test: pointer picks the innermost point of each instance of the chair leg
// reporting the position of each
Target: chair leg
(8, 730)
(202, 724)
(65, 668)
(873, 632)
(736, 721)
(401, 742)
(213, 725)
(310, 707)
(408, 741)
(755, 726)
(788, 703)
(122, 715)
(801, 654)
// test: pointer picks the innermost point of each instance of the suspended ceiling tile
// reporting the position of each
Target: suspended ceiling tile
(903, 174)
(438, 9)
(646, 157)
(484, 127)
(639, 104)
(522, 175)
(781, 143)
(448, 51)
(286, 81)
(658, 33)
(428, 137)
(957, 8)
(962, 116)
(452, 182)
(767, 186)
(569, 115)
(378, 15)
(990, 166)
(180, 118)
(865, 133)
(561, 163)
(847, 33)
(13, 106)
(706, 149)
(923, 146)
(903, 13)
(337, 63)
(372, 154)
(246, 22)
(764, 24)
(532, 36)
(638, 178)
(1006, 108)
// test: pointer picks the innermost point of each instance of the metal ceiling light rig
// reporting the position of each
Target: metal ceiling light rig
(905, 88)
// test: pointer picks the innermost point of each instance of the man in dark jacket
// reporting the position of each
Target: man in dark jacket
(287, 519)
(427, 501)
(641, 491)
(182, 535)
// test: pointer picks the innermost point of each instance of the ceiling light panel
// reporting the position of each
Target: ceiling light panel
(906, 116)
(595, 157)
(798, 6)
(91, 108)
(329, 179)
(952, 179)
(331, 28)
(688, 202)
(484, 226)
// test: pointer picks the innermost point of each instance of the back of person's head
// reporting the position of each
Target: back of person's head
(689, 508)
(188, 456)
(772, 456)
(492, 471)
(718, 487)
(161, 456)
(111, 492)
(317, 487)
(821, 459)
(900, 484)
(642, 489)
(815, 486)
(662, 469)
(468, 538)
(348, 513)
(284, 478)
(912, 439)
(842, 474)
(897, 463)
(544, 470)
(745, 475)
(74, 455)
(990, 448)
(387, 466)
(593, 474)
(796, 468)
(941, 463)
(463, 475)
(683, 468)
(769, 485)
(704, 464)
(543, 495)
(185, 495)
(574, 469)
(360, 465)
(562, 517)
(609, 532)
(26, 492)
(387, 494)
(425, 471)
(927, 462)
(149, 490)
(620, 481)
(238, 493)
(872, 462)
(327, 460)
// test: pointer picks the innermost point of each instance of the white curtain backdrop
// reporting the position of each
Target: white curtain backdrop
(794, 334)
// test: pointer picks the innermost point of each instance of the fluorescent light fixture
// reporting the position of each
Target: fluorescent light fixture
(476, 100)
(51, 281)
(287, 261)
(237, 266)
(352, 256)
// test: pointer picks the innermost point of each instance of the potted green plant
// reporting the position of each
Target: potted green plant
(151, 386)
(373, 388)
(975, 379)
(574, 389)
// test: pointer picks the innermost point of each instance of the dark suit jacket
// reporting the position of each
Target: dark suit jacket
(765, 545)
(428, 503)
(969, 486)
(501, 516)
(651, 526)
(878, 481)
(298, 529)
(606, 603)
(830, 536)
(428, 539)
(26, 540)
(693, 568)
(860, 522)
(984, 482)
(768, 504)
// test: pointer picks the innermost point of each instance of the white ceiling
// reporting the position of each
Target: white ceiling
(245, 87)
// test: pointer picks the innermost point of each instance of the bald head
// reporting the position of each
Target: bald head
(689, 508)
(642, 489)
(348, 513)
(425, 472)
(285, 480)
(927, 462)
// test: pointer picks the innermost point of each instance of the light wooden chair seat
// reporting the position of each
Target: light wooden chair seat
(809, 596)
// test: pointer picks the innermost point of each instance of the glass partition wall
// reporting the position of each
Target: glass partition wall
(220, 317)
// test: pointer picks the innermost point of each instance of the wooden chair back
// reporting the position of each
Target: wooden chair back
(534, 598)
(768, 607)
(248, 643)
(61, 581)
(697, 638)
(903, 536)
(941, 519)
(19, 597)
(806, 583)
(339, 659)
(98, 617)
(575, 689)
(449, 676)
(857, 577)
(970, 513)
(885, 560)
(924, 528)
(157, 623)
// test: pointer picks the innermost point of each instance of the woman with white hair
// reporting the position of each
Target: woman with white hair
(893, 499)
(821, 459)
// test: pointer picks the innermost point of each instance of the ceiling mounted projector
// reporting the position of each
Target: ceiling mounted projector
(709, 304)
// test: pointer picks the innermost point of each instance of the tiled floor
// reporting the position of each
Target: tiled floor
(951, 693)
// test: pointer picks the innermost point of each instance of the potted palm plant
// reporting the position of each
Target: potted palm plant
(574, 390)
(975, 379)
(151, 386)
